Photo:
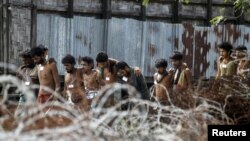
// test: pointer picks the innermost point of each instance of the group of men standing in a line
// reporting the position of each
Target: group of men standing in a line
(81, 85)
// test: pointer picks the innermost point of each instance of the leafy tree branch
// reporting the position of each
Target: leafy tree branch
(240, 6)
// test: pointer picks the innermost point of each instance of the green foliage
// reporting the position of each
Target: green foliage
(242, 6)
(217, 20)
(145, 2)
(186, 1)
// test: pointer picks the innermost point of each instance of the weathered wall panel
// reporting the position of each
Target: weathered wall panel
(142, 41)
(218, 10)
(59, 5)
(189, 10)
(1, 36)
(80, 36)
(125, 40)
(20, 1)
(19, 32)
(221, 1)
(139, 43)
(88, 6)
(159, 10)
(126, 7)
(198, 1)
(158, 43)
(88, 36)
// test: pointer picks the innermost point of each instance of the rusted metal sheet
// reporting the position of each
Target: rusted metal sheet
(79, 36)
(88, 36)
(125, 40)
(55, 32)
(188, 44)
(139, 43)
(158, 43)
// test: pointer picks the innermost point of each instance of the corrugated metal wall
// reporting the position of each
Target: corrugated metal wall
(139, 43)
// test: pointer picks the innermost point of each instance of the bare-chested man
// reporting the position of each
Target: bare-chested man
(92, 77)
(227, 67)
(182, 79)
(73, 84)
(162, 80)
(106, 66)
(108, 71)
(47, 74)
(27, 72)
(243, 68)
(46, 54)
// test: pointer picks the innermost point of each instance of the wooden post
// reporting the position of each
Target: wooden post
(175, 17)
(70, 8)
(1, 35)
(239, 20)
(7, 24)
(209, 11)
(33, 32)
(106, 9)
(143, 11)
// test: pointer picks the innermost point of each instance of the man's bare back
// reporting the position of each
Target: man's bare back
(163, 86)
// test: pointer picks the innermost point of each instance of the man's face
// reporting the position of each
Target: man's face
(27, 61)
(37, 59)
(223, 53)
(85, 66)
(160, 70)
(176, 63)
(102, 64)
(240, 54)
(68, 67)
(122, 72)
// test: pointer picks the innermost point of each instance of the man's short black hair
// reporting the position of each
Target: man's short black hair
(241, 48)
(36, 51)
(69, 59)
(87, 59)
(102, 57)
(161, 63)
(176, 55)
(121, 65)
(43, 47)
(25, 54)
(226, 46)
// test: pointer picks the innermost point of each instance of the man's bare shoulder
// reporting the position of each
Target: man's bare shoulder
(113, 60)
(52, 65)
(51, 60)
